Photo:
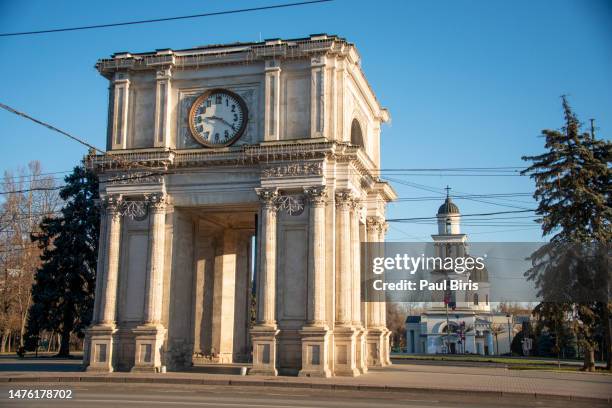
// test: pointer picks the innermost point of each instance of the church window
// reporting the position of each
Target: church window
(356, 133)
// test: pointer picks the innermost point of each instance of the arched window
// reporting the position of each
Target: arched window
(475, 299)
(487, 299)
(356, 133)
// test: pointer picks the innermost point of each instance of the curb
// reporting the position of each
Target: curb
(287, 384)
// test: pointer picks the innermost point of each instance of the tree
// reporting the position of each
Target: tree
(574, 206)
(396, 322)
(496, 330)
(64, 285)
(27, 197)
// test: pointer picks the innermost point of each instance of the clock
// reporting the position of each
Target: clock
(218, 118)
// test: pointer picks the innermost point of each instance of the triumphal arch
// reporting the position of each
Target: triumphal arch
(239, 182)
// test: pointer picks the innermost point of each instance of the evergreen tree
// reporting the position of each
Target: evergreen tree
(574, 205)
(63, 291)
(546, 345)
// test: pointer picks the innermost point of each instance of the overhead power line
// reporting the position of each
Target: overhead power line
(158, 20)
(51, 127)
(462, 215)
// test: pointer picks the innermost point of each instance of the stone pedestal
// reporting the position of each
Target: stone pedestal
(264, 350)
(101, 348)
(386, 347)
(149, 339)
(375, 347)
(315, 362)
(360, 349)
(345, 351)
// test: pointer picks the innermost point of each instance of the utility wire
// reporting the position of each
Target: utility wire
(462, 215)
(158, 20)
(51, 127)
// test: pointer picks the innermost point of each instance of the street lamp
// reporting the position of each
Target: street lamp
(509, 340)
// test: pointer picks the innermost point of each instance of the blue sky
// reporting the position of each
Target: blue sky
(468, 83)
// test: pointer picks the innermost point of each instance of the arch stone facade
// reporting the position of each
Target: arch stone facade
(241, 253)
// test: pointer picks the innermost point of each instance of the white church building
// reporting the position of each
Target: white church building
(465, 324)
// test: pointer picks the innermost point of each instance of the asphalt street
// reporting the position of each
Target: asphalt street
(157, 395)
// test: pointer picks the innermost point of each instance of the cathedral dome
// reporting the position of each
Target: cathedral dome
(448, 207)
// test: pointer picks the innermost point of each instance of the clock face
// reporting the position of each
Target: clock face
(218, 118)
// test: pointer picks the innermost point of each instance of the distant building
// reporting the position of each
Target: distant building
(460, 321)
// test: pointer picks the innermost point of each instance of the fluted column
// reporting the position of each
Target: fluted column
(266, 301)
(155, 263)
(111, 273)
(386, 358)
(356, 264)
(374, 297)
(344, 280)
(382, 229)
(316, 255)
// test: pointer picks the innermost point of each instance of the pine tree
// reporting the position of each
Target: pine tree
(572, 188)
(63, 291)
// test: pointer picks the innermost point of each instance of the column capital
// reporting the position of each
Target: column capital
(344, 198)
(156, 201)
(374, 223)
(112, 203)
(268, 196)
(317, 195)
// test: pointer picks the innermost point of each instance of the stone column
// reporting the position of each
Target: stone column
(343, 279)
(155, 263)
(264, 333)
(113, 241)
(242, 298)
(100, 351)
(224, 297)
(360, 342)
(355, 264)
(345, 334)
(149, 337)
(383, 306)
(376, 328)
(315, 334)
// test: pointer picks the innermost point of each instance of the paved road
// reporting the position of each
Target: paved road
(435, 379)
(147, 395)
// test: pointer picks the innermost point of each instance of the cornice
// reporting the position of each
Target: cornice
(147, 165)
(241, 53)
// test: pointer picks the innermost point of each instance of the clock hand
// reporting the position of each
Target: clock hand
(224, 121)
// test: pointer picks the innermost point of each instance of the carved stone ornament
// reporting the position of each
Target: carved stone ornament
(293, 205)
(316, 195)
(344, 199)
(267, 195)
(112, 203)
(294, 169)
(156, 201)
(374, 223)
(136, 210)
(136, 178)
